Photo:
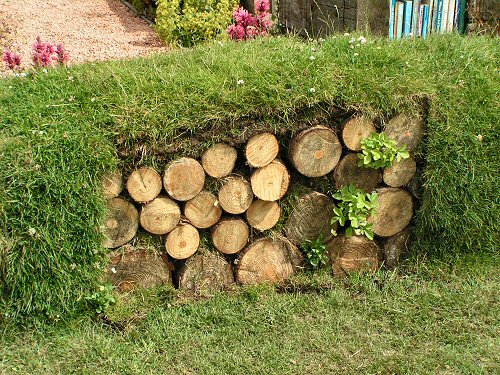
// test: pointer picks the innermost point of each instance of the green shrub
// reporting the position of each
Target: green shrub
(378, 151)
(315, 252)
(188, 22)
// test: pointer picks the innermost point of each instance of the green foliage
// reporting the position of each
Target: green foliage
(188, 22)
(315, 252)
(378, 151)
(353, 210)
(102, 299)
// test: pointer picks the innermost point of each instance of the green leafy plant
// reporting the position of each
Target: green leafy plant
(353, 210)
(102, 299)
(378, 151)
(315, 252)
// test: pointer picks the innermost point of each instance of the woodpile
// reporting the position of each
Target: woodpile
(246, 227)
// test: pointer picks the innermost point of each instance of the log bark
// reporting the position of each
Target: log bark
(204, 210)
(261, 149)
(267, 260)
(229, 236)
(405, 130)
(353, 254)
(263, 215)
(112, 185)
(218, 161)
(138, 268)
(183, 241)
(270, 183)
(395, 210)
(354, 130)
(235, 195)
(122, 221)
(184, 179)
(396, 248)
(401, 173)
(347, 172)
(311, 218)
(205, 272)
(160, 216)
(315, 151)
(144, 184)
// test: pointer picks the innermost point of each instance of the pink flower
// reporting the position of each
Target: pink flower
(62, 55)
(11, 59)
(262, 6)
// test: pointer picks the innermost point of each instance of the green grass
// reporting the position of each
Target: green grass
(442, 317)
(59, 131)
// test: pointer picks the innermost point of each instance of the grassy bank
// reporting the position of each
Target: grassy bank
(59, 131)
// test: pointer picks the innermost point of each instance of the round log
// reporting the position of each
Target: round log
(400, 173)
(261, 149)
(354, 130)
(184, 179)
(182, 241)
(396, 247)
(267, 260)
(160, 216)
(315, 151)
(235, 195)
(230, 235)
(353, 254)
(395, 210)
(263, 215)
(204, 210)
(138, 268)
(206, 272)
(112, 185)
(311, 218)
(144, 184)
(347, 172)
(218, 161)
(270, 183)
(405, 130)
(122, 221)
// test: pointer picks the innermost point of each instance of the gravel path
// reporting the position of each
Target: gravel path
(89, 29)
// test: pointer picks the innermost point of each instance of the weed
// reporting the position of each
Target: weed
(378, 151)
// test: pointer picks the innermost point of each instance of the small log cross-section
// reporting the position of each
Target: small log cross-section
(144, 184)
(270, 183)
(235, 195)
(315, 151)
(267, 261)
(395, 210)
(205, 272)
(183, 241)
(138, 268)
(184, 179)
(353, 254)
(203, 211)
(347, 172)
(160, 216)
(354, 130)
(400, 173)
(311, 218)
(405, 130)
(218, 161)
(122, 221)
(261, 149)
(112, 185)
(396, 248)
(230, 235)
(263, 215)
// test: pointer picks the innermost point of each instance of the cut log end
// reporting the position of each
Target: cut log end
(395, 210)
(354, 130)
(347, 172)
(160, 216)
(235, 195)
(263, 215)
(405, 130)
(267, 261)
(204, 273)
(270, 183)
(204, 210)
(315, 151)
(144, 184)
(184, 179)
(261, 149)
(218, 161)
(112, 185)
(121, 224)
(353, 254)
(182, 242)
(400, 173)
(230, 235)
(396, 248)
